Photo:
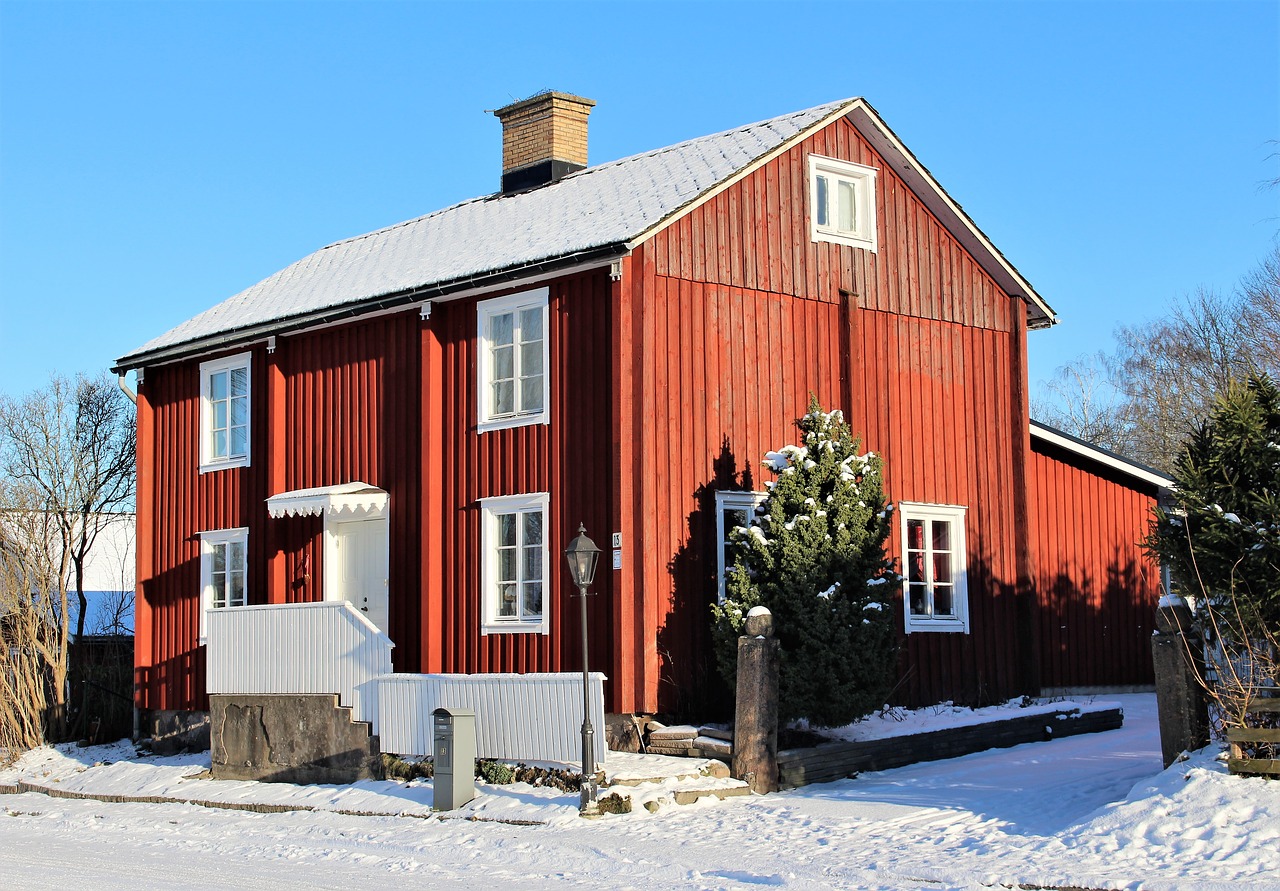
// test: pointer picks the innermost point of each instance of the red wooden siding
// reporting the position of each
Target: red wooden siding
(1097, 589)
(350, 403)
(735, 317)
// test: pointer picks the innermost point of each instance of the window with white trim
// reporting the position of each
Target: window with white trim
(224, 571)
(512, 363)
(842, 201)
(935, 584)
(513, 546)
(733, 509)
(224, 412)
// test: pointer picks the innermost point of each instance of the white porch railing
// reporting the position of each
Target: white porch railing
(298, 648)
(528, 717)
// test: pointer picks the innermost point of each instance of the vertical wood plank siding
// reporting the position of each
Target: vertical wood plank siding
(1097, 589)
(352, 396)
(928, 381)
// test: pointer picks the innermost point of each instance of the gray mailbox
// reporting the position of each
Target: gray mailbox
(454, 777)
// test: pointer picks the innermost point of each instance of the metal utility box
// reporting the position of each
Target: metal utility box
(454, 777)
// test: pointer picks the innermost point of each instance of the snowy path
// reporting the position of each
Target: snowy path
(1047, 814)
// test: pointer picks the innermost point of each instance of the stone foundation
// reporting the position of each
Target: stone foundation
(172, 731)
(290, 738)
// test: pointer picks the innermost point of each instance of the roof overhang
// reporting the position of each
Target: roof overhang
(1045, 433)
(394, 302)
(347, 501)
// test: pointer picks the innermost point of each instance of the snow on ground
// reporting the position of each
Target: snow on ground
(1092, 811)
(903, 722)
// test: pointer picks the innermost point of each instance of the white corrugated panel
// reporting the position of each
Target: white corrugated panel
(298, 648)
(522, 717)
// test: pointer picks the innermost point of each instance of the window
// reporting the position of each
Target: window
(224, 567)
(512, 361)
(224, 413)
(842, 196)
(513, 573)
(733, 509)
(934, 588)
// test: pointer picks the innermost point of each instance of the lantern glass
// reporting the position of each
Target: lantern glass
(582, 555)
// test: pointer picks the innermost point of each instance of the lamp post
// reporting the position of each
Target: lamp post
(582, 555)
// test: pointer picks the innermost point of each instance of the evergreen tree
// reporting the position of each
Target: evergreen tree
(814, 555)
(1221, 535)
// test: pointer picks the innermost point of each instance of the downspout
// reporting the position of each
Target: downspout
(133, 397)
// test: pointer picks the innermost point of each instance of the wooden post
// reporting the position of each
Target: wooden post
(1181, 703)
(755, 728)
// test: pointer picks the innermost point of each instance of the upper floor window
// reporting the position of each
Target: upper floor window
(843, 201)
(224, 570)
(224, 412)
(512, 361)
(513, 546)
(935, 587)
(733, 509)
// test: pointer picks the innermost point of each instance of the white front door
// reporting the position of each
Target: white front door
(361, 552)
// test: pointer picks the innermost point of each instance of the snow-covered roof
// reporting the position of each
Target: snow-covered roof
(1053, 435)
(587, 216)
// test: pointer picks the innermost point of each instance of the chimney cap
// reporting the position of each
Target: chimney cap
(539, 98)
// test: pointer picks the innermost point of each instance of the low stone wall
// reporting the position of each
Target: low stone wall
(172, 731)
(290, 738)
(837, 760)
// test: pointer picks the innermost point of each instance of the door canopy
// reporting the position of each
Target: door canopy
(346, 501)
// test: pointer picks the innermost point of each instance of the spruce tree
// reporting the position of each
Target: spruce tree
(1221, 535)
(814, 555)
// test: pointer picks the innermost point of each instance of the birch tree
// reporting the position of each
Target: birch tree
(66, 463)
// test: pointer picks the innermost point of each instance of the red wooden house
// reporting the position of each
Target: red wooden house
(416, 420)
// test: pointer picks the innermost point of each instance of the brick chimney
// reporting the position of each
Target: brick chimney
(544, 138)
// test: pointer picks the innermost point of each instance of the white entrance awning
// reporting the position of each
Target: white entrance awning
(353, 500)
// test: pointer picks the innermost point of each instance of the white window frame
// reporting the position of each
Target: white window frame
(863, 181)
(490, 509)
(955, 514)
(727, 499)
(487, 419)
(209, 461)
(209, 541)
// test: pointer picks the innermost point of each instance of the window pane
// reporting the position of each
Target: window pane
(218, 385)
(919, 600)
(942, 567)
(531, 393)
(532, 564)
(504, 397)
(500, 328)
(915, 534)
(821, 209)
(506, 530)
(533, 527)
(943, 601)
(236, 556)
(239, 441)
(531, 358)
(236, 595)
(218, 581)
(915, 568)
(533, 599)
(219, 561)
(239, 381)
(941, 535)
(220, 415)
(848, 207)
(239, 410)
(507, 599)
(507, 565)
(503, 362)
(531, 325)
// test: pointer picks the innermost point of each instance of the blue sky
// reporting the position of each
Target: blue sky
(156, 158)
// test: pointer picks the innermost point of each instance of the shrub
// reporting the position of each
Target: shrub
(814, 555)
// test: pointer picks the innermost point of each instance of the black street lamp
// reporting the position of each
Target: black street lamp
(582, 555)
